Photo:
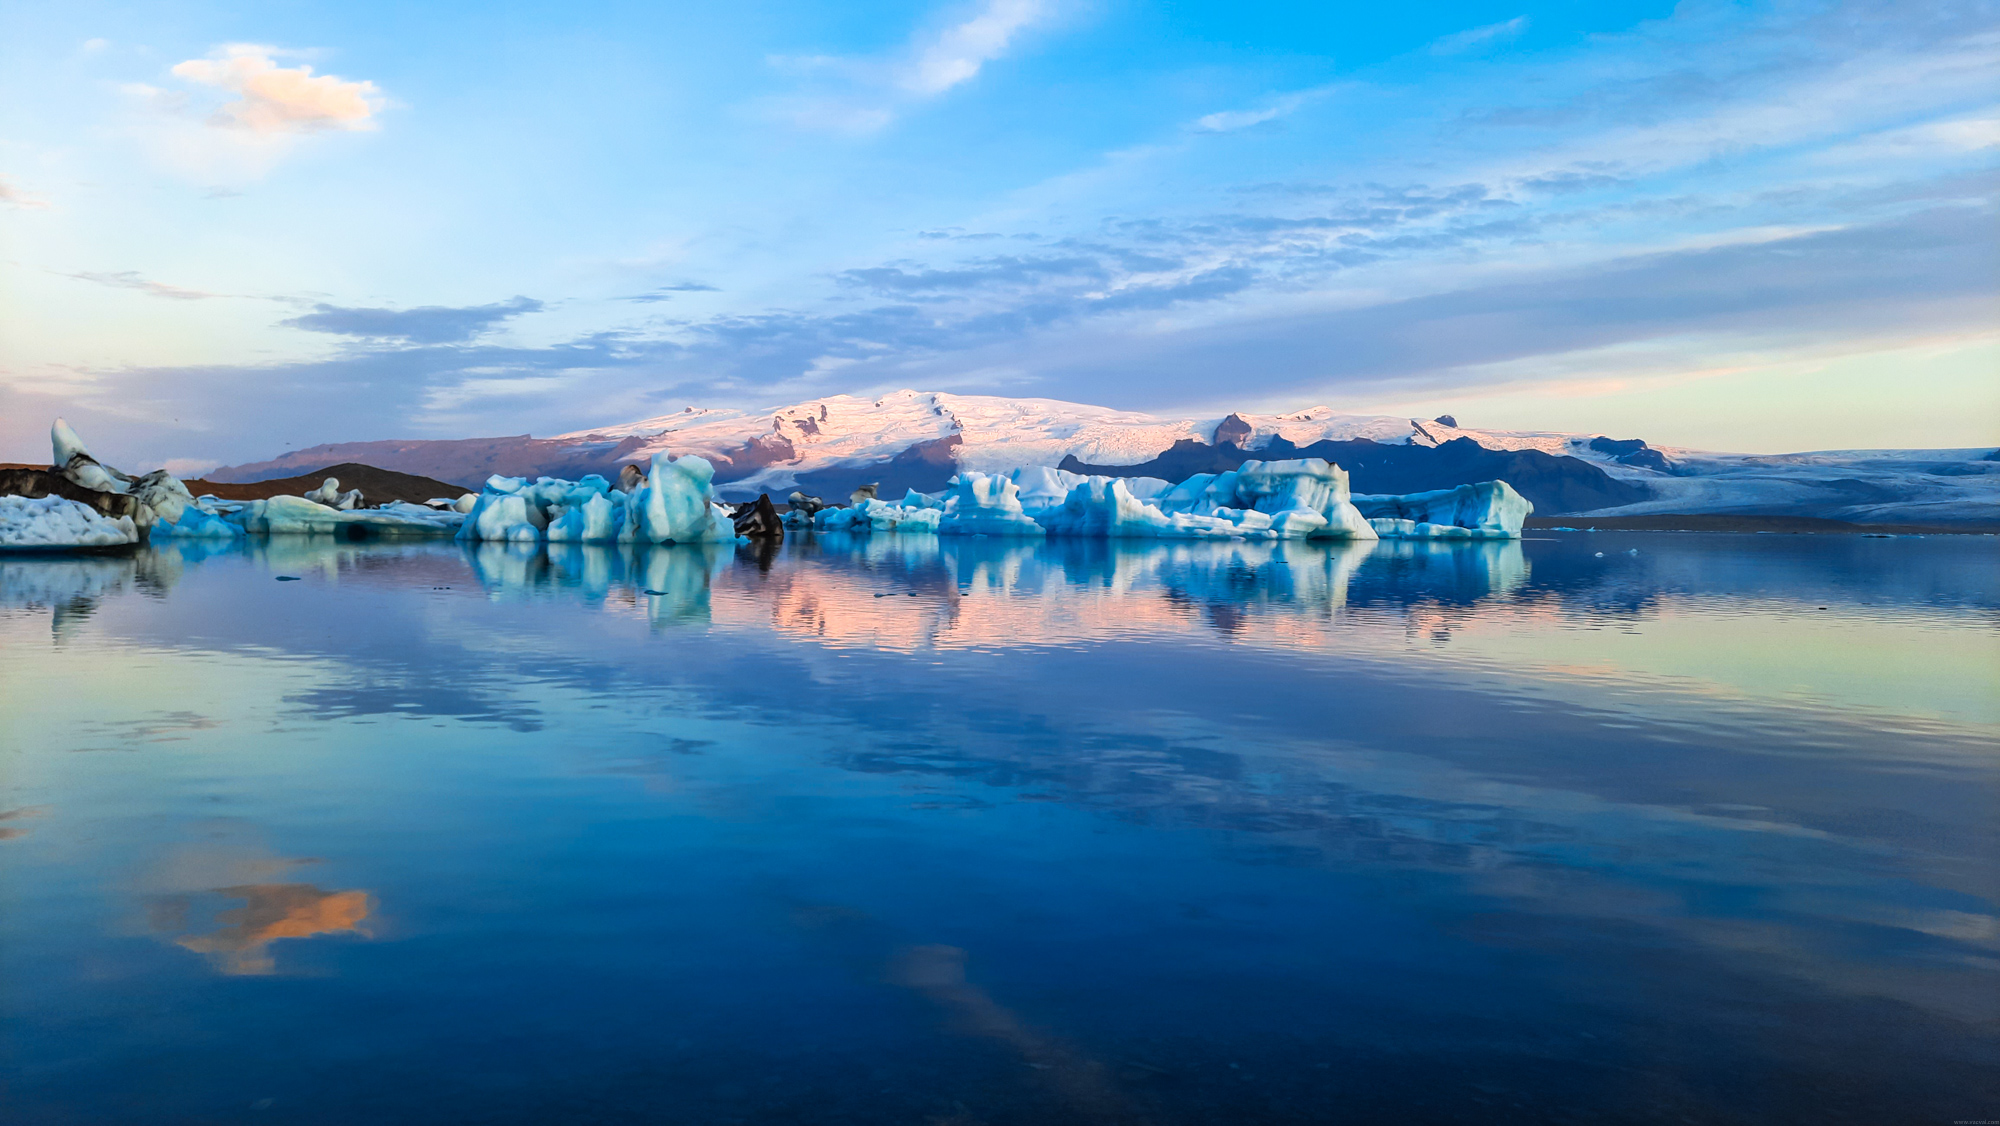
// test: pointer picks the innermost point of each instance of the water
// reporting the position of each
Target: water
(1594, 828)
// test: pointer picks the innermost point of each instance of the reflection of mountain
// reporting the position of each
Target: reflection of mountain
(272, 912)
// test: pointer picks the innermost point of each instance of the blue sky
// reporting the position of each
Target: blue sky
(229, 229)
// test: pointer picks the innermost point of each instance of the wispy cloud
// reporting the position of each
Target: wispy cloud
(279, 99)
(666, 292)
(429, 324)
(863, 95)
(957, 53)
(132, 279)
(12, 195)
(1474, 37)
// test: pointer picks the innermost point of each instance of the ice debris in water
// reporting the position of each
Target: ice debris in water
(59, 522)
(1260, 500)
(672, 502)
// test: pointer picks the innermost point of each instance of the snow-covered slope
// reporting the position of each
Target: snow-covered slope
(771, 450)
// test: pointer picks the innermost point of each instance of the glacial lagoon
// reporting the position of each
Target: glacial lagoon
(1582, 828)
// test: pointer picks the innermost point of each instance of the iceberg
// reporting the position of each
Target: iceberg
(986, 504)
(1297, 499)
(593, 519)
(329, 494)
(873, 515)
(675, 504)
(671, 503)
(1487, 510)
(285, 515)
(195, 523)
(57, 522)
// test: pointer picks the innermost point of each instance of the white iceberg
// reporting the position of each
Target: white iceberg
(986, 504)
(1487, 510)
(287, 515)
(54, 522)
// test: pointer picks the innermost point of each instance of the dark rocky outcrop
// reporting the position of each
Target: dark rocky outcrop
(379, 486)
(1632, 451)
(1233, 430)
(467, 459)
(924, 466)
(1554, 484)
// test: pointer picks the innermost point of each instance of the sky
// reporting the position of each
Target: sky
(231, 229)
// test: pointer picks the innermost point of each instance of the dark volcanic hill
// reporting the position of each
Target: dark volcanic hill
(378, 486)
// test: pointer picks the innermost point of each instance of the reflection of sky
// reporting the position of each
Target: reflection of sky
(1523, 750)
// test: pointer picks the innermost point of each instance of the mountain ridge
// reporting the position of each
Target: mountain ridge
(917, 439)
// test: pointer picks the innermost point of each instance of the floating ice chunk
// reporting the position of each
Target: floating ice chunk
(596, 519)
(503, 517)
(193, 522)
(1040, 487)
(274, 516)
(73, 461)
(674, 504)
(1305, 497)
(66, 444)
(54, 522)
(465, 503)
(1103, 506)
(329, 494)
(986, 504)
(873, 515)
(1487, 510)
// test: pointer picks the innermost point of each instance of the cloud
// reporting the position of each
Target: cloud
(276, 99)
(666, 292)
(1230, 121)
(980, 274)
(1479, 36)
(12, 195)
(1569, 181)
(429, 324)
(957, 53)
(859, 96)
(132, 279)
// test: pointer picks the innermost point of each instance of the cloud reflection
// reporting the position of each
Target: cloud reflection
(272, 912)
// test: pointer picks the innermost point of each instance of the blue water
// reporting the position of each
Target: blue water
(1590, 828)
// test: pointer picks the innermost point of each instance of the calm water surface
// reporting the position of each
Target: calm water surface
(1597, 828)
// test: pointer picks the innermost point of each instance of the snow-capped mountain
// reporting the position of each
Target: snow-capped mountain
(773, 449)
(919, 439)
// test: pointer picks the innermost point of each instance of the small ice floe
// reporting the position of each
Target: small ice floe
(57, 522)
